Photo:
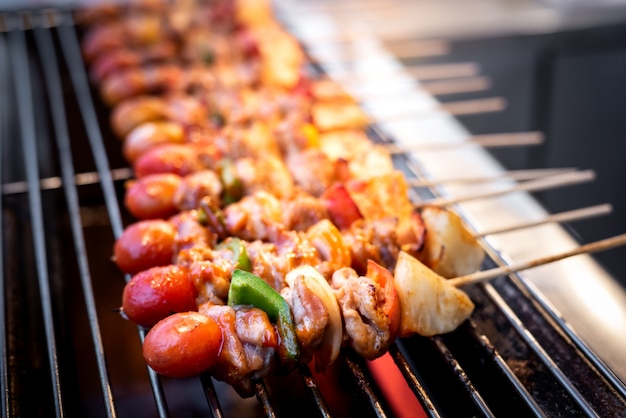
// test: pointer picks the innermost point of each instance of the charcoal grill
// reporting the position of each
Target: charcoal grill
(67, 352)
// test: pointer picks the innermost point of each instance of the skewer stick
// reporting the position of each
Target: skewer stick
(417, 72)
(558, 180)
(435, 88)
(489, 140)
(458, 108)
(468, 107)
(419, 49)
(443, 71)
(486, 275)
(518, 175)
(455, 86)
(568, 216)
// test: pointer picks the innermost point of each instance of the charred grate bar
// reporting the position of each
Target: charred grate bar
(449, 375)
(4, 377)
(21, 69)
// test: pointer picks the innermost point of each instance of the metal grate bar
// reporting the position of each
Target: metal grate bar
(505, 369)
(264, 399)
(48, 56)
(51, 183)
(211, 395)
(71, 51)
(19, 58)
(4, 377)
(467, 384)
(539, 351)
(548, 310)
(314, 391)
(413, 382)
(364, 384)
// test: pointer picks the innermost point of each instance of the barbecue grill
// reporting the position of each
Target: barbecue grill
(67, 352)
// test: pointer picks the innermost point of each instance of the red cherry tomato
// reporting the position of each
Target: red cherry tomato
(181, 159)
(152, 197)
(153, 294)
(149, 135)
(145, 244)
(183, 344)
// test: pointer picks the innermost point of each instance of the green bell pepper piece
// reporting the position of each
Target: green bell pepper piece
(240, 254)
(249, 289)
(233, 187)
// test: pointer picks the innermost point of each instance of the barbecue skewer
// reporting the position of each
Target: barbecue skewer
(559, 180)
(568, 216)
(487, 141)
(485, 275)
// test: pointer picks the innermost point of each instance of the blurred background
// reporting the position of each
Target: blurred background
(556, 66)
(560, 67)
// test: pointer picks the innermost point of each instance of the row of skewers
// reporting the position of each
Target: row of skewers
(271, 231)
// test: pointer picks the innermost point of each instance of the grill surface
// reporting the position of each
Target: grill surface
(67, 352)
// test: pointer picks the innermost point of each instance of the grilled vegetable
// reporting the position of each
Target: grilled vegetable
(429, 304)
(183, 344)
(316, 284)
(152, 196)
(158, 292)
(340, 206)
(145, 244)
(449, 248)
(181, 159)
(391, 303)
(240, 254)
(232, 185)
(249, 289)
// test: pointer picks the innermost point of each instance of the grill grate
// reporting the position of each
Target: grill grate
(66, 352)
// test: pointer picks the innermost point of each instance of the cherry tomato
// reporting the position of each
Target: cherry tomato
(181, 159)
(149, 135)
(183, 344)
(152, 197)
(391, 304)
(132, 112)
(153, 294)
(145, 244)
